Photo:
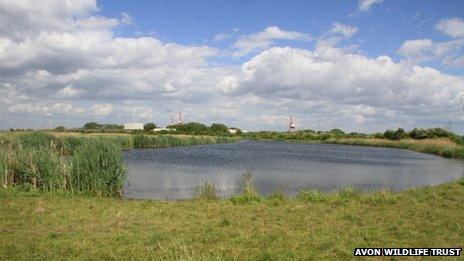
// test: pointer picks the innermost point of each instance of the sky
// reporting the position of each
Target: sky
(365, 66)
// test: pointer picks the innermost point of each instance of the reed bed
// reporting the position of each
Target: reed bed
(80, 164)
(157, 141)
(40, 161)
(440, 146)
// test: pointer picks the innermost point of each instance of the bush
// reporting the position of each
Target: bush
(250, 191)
(219, 128)
(149, 126)
(60, 128)
(311, 196)
(206, 191)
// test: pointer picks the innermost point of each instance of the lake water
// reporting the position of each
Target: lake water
(175, 172)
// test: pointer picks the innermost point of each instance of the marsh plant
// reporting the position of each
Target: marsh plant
(156, 141)
(86, 164)
(249, 193)
(206, 191)
(40, 161)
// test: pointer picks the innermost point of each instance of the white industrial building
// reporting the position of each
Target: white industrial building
(133, 126)
(163, 129)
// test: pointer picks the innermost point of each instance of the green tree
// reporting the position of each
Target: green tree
(149, 126)
(399, 134)
(219, 128)
(418, 134)
(92, 125)
(389, 134)
(60, 128)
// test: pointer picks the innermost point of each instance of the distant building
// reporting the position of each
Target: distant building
(163, 129)
(133, 126)
(232, 130)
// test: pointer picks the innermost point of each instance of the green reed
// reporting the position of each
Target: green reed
(81, 164)
(156, 141)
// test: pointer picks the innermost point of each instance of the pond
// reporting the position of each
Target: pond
(175, 172)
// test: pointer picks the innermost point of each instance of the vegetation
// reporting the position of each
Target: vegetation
(98, 126)
(149, 126)
(433, 141)
(206, 191)
(314, 226)
(250, 192)
(339, 134)
(80, 164)
(60, 128)
(53, 184)
(40, 161)
(155, 141)
(441, 146)
(219, 128)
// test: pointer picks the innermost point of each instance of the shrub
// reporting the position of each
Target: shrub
(60, 128)
(311, 196)
(206, 191)
(219, 128)
(149, 126)
(249, 193)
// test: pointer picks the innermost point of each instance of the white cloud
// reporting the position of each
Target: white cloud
(420, 50)
(343, 83)
(63, 60)
(264, 39)
(366, 5)
(415, 48)
(47, 109)
(453, 27)
(73, 54)
(343, 29)
(102, 109)
(126, 19)
(140, 112)
(221, 37)
(269, 120)
(68, 92)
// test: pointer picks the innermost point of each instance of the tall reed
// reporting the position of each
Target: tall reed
(156, 141)
(44, 162)
(97, 167)
(80, 164)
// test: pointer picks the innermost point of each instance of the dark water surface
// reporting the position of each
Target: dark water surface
(173, 173)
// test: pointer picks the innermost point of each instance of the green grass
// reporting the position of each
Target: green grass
(38, 225)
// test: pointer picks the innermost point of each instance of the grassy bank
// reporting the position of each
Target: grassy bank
(88, 164)
(441, 146)
(314, 226)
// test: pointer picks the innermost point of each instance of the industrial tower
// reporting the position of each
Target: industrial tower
(291, 125)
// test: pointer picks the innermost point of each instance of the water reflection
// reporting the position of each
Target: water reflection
(173, 173)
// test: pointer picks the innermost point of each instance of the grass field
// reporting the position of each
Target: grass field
(34, 225)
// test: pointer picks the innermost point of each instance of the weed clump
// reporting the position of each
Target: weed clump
(311, 196)
(206, 191)
(249, 193)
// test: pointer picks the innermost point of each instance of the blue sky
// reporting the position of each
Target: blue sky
(366, 65)
(382, 30)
